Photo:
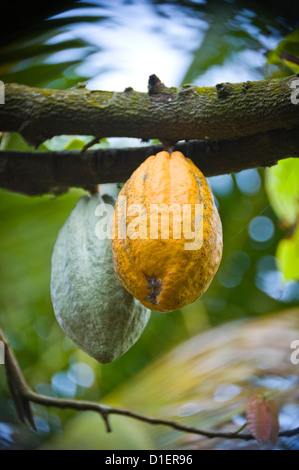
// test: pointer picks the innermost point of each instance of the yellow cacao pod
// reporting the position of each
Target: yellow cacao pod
(159, 264)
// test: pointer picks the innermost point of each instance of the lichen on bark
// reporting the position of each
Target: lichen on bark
(227, 128)
(226, 111)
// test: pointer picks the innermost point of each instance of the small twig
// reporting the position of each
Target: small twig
(90, 144)
(240, 429)
(106, 421)
(106, 411)
(19, 388)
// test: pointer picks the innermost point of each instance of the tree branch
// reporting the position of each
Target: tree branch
(225, 111)
(36, 173)
(19, 387)
(255, 124)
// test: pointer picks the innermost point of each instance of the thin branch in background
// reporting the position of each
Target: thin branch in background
(19, 387)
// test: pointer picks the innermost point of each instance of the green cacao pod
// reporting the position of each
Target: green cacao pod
(91, 306)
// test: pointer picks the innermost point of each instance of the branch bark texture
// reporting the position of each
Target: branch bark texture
(242, 125)
(37, 173)
(225, 111)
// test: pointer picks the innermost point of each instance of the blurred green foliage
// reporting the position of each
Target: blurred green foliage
(282, 180)
(282, 186)
(287, 52)
(248, 283)
(287, 255)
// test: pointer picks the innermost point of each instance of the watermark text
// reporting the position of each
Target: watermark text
(156, 221)
(295, 94)
(2, 358)
(2, 93)
(295, 354)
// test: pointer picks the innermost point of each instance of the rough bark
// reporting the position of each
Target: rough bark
(244, 125)
(36, 173)
(225, 111)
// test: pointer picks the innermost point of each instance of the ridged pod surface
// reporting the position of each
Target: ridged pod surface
(165, 273)
(91, 306)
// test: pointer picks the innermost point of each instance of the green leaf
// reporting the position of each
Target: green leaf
(14, 141)
(63, 142)
(73, 142)
(287, 255)
(287, 52)
(282, 187)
